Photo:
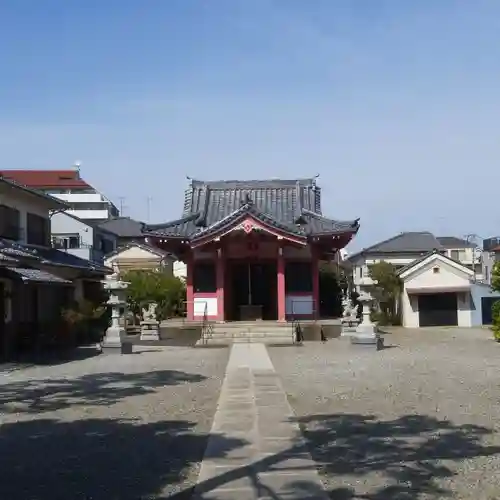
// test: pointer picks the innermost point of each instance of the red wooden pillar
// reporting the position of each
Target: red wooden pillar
(281, 286)
(220, 267)
(189, 288)
(315, 281)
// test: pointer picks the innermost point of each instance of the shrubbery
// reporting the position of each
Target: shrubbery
(145, 287)
(495, 309)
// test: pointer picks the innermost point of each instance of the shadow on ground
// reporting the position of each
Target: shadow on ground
(99, 459)
(43, 395)
(52, 358)
(106, 460)
(407, 453)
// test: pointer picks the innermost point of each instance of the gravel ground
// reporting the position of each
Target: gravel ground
(419, 420)
(108, 427)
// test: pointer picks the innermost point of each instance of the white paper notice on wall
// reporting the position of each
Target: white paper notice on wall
(200, 303)
(299, 304)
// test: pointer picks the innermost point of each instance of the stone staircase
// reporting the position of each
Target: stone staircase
(267, 332)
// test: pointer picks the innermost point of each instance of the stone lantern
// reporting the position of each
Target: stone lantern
(367, 332)
(113, 339)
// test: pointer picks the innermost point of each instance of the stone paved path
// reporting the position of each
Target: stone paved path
(272, 463)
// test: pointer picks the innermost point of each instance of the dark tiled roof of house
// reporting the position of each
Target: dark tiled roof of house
(408, 242)
(46, 179)
(49, 256)
(451, 242)
(290, 205)
(26, 274)
(123, 227)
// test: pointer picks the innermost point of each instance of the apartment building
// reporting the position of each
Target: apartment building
(81, 199)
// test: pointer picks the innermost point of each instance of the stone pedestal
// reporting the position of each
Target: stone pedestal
(366, 333)
(113, 338)
(150, 330)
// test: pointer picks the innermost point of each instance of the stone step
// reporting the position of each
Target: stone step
(251, 334)
(245, 340)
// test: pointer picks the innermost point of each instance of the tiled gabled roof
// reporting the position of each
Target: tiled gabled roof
(37, 275)
(409, 242)
(289, 205)
(123, 227)
(452, 242)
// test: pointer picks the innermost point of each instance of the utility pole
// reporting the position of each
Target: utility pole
(471, 238)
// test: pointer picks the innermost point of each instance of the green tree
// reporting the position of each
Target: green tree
(387, 291)
(147, 286)
(495, 310)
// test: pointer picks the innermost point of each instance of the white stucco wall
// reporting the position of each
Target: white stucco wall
(448, 276)
(64, 224)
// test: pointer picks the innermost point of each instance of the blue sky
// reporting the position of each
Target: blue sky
(394, 103)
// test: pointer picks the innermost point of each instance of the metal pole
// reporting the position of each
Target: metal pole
(469, 238)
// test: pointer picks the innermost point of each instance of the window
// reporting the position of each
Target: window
(38, 230)
(10, 220)
(360, 271)
(65, 241)
(455, 254)
(204, 277)
(298, 277)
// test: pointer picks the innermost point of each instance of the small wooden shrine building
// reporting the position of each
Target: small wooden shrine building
(252, 248)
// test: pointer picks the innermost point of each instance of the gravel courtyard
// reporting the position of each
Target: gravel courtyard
(108, 427)
(419, 420)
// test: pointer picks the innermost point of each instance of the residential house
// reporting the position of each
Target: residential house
(138, 256)
(82, 200)
(81, 238)
(36, 280)
(442, 278)
(127, 230)
(137, 250)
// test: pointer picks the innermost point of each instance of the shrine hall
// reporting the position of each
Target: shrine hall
(252, 248)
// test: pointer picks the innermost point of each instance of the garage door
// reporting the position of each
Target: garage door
(438, 309)
(486, 305)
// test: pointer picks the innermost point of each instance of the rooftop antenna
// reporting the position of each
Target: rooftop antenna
(149, 199)
(77, 166)
(121, 199)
